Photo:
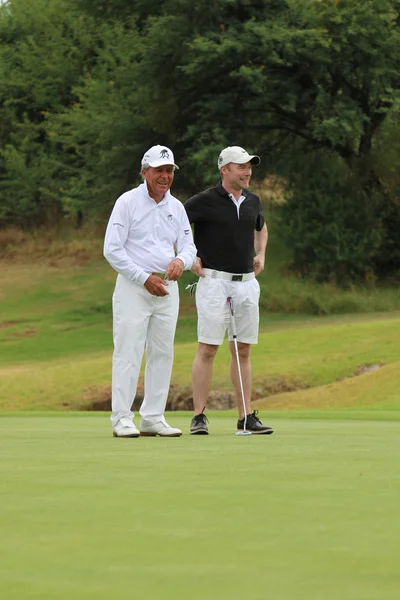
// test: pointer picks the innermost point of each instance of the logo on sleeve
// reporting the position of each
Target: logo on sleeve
(169, 218)
(186, 231)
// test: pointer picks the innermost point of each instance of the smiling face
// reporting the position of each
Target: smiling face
(159, 180)
(236, 177)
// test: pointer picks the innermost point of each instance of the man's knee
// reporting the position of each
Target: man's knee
(207, 352)
(243, 350)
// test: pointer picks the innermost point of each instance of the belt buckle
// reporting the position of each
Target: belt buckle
(237, 278)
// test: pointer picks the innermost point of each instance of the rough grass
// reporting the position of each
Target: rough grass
(283, 292)
(55, 246)
(313, 356)
(67, 251)
(310, 512)
(56, 339)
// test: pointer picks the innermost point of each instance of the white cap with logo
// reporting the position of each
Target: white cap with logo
(157, 156)
(238, 155)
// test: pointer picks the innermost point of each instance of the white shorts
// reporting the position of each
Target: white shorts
(213, 310)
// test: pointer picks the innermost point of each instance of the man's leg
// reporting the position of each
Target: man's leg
(130, 320)
(201, 380)
(201, 375)
(212, 322)
(159, 356)
(245, 371)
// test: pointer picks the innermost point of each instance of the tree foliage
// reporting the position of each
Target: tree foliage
(87, 86)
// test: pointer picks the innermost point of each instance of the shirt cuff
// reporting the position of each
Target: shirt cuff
(182, 258)
(143, 277)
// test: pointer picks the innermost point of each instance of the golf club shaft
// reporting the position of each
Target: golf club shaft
(233, 325)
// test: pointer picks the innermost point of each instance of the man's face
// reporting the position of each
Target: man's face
(159, 180)
(237, 176)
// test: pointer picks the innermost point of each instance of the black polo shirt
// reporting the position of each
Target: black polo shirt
(224, 240)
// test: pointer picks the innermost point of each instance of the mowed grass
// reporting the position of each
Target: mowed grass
(310, 512)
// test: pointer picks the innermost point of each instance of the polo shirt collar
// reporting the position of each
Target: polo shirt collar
(145, 192)
(222, 191)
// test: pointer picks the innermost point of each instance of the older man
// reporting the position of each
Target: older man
(149, 243)
(231, 237)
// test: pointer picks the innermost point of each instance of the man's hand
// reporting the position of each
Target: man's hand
(156, 286)
(174, 269)
(197, 267)
(258, 263)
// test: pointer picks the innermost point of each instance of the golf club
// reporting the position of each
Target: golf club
(233, 326)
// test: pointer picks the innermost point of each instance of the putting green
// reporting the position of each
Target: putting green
(309, 513)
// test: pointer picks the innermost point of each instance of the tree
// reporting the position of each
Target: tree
(88, 85)
(45, 49)
(326, 73)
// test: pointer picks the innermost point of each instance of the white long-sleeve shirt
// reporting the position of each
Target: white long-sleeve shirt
(143, 237)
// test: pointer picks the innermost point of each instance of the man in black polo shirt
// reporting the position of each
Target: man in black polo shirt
(231, 237)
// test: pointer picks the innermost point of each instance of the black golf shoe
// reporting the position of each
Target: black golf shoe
(198, 425)
(254, 425)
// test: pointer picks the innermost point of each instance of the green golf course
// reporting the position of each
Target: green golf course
(309, 513)
(272, 129)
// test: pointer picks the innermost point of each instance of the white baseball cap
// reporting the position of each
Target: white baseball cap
(157, 156)
(238, 155)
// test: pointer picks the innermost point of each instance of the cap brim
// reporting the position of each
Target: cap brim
(252, 158)
(161, 163)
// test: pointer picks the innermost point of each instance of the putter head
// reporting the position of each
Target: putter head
(244, 432)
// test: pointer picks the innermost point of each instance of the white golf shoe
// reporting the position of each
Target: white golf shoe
(161, 428)
(125, 429)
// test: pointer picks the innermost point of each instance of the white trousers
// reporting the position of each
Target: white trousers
(142, 322)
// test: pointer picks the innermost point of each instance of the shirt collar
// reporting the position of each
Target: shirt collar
(145, 192)
(222, 191)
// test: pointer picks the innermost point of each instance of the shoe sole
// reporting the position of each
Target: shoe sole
(150, 434)
(131, 435)
(199, 432)
(268, 432)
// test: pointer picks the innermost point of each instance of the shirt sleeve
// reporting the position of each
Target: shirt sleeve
(260, 217)
(114, 244)
(186, 250)
(191, 208)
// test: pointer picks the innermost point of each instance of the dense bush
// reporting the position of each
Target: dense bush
(330, 224)
(86, 87)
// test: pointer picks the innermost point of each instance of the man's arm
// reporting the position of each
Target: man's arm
(186, 250)
(260, 245)
(114, 244)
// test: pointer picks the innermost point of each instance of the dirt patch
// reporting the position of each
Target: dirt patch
(181, 398)
(25, 333)
(369, 368)
(7, 324)
(362, 369)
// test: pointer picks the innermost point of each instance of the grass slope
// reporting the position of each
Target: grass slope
(56, 330)
(59, 305)
(308, 513)
(304, 355)
(378, 390)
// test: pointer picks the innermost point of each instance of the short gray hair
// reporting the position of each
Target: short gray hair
(146, 167)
